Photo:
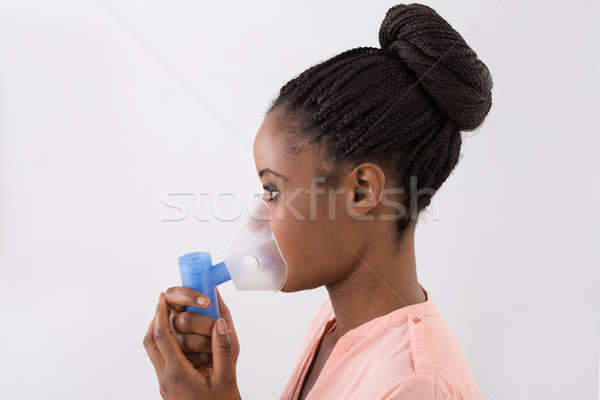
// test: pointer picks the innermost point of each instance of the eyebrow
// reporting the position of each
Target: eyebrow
(270, 171)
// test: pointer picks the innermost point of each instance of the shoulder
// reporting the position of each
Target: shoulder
(417, 357)
(437, 364)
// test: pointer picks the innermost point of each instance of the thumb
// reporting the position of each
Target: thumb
(223, 357)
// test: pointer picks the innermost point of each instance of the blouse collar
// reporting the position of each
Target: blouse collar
(393, 318)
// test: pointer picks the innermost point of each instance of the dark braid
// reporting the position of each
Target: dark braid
(404, 104)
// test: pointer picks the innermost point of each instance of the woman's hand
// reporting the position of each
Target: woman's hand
(178, 379)
(193, 331)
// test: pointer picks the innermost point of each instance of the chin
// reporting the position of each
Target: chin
(292, 285)
(289, 287)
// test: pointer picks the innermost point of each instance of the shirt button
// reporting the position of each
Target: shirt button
(416, 320)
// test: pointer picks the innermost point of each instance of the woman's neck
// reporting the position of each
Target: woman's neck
(384, 279)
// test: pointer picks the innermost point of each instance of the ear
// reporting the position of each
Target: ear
(365, 189)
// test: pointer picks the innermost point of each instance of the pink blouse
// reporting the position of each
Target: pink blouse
(406, 354)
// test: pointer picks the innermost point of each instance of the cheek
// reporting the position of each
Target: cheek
(311, 246)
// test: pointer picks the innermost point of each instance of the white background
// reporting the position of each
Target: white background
(99, 123)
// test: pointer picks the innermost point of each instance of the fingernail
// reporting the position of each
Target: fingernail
(221, 327)
(203, 301)
(159, 297)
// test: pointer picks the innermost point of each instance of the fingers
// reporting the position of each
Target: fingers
(152, 349)
(200, 360)
(223, 309)
(223, 354)
(189, 322)
(163, 337)
(192, 343)
(172, 315)
(179, 296)
(226, 315)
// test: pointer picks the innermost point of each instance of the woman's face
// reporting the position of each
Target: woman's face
(309, 220)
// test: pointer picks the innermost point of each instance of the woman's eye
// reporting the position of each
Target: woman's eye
(270, 193)
(273, 195)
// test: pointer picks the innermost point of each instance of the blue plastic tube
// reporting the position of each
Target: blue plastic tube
(198, 272)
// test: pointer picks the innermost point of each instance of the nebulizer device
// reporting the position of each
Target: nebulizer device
(253, 261)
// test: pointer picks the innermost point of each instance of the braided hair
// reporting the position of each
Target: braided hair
(403, 105)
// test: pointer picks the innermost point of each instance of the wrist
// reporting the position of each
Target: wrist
(232, 395)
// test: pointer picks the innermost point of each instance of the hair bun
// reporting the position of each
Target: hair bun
(443, 62)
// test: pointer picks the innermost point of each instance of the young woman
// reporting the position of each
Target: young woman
(380, 130)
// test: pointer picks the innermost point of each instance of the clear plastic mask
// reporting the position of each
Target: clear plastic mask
(253, 257)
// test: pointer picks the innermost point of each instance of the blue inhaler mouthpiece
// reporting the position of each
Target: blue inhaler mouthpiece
(253, 261)
(198, 272)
